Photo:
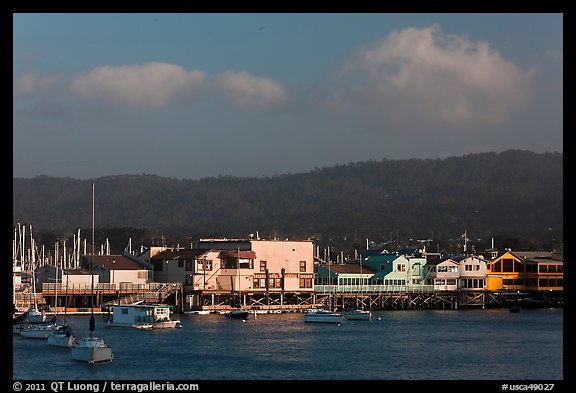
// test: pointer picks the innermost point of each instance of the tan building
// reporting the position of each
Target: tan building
(239, 265)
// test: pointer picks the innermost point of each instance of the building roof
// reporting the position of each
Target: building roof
(77, 272)
(186, 253)
(439, 261)
(114, 262)
(234, 254)
(533, 254)
(384, 257)
(346, 268)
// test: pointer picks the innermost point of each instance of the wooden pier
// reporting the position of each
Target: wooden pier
(172, 294)
(392, 300)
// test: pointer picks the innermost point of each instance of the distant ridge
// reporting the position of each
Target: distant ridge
(516, 192)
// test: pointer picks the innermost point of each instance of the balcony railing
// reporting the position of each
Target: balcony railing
(372, 288)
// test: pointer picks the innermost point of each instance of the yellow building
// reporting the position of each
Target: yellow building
(525, 271)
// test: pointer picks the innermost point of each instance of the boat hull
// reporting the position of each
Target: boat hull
(197, 312)
(237, 314)
(323, 317)
(36, 317)
(40, 331)
(358, 315)
(61, 339)
(91, 350)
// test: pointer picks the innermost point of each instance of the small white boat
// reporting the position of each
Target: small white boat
(91, 350)
(143, 326)
(39, 330)
(36, 316)
(358, 315)
(62, 338)
(197, 312)
(322, 316)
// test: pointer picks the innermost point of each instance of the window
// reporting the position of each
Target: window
(497, 266)
(189, 279)
(305, 282)
(207, 264)
(246, 263)
(303, 267)
(468, 268)
(508, 265)
(181, 262)
(189, 265)
(451, 281)
(263, 266)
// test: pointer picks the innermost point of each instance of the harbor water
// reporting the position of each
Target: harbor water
(490, 344)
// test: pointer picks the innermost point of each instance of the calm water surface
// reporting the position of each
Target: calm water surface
(402, 345)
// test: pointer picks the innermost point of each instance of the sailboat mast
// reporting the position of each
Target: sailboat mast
(238, 276)
(56, 291)
(92, 216)
(92, 320)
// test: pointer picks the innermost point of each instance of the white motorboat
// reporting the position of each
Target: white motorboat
(197, 312)
(92, 350)
(358, 315)
(39, 330)
(322, 316)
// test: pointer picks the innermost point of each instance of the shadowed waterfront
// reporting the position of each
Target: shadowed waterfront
(403, 345)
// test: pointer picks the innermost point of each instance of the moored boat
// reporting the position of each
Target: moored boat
(237, 314)
(62, 338)
(143, 316)
(92, 350)
(39, 330)
(358, 315)
(197, 312)
(322, 316)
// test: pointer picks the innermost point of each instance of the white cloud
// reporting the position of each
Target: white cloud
(149, 85)
(31, 82)
(250, 91)
(434, 76)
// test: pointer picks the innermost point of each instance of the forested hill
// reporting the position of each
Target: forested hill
(516, 193)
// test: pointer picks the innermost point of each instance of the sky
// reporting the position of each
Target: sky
(195, 95)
